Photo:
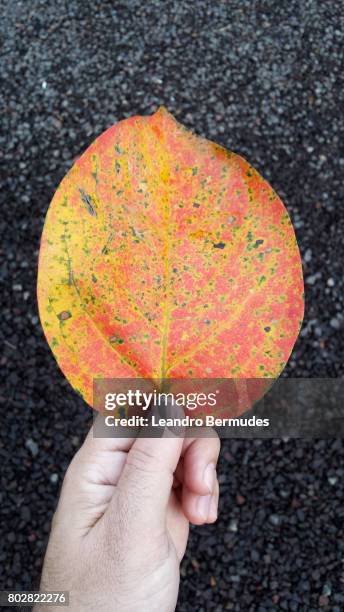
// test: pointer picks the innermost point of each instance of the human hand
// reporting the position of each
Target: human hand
(122, 522)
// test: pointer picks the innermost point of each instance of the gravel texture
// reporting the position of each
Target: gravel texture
(261, 77)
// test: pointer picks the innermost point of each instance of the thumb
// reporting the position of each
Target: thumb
(147, 478)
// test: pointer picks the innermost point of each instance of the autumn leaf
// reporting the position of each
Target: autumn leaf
(164, 255)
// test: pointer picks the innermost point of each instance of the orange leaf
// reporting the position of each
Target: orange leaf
(164, 255)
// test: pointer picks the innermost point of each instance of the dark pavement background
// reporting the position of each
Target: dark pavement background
(265, 79)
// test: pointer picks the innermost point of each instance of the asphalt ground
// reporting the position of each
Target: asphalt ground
(264, 79)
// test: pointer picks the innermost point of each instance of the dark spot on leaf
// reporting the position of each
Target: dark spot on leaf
(196, 205)
(257, 243)
(105, 249)
(64, 315)
(89, 202)
(219, 245)
(267, 328)
(137, 233)
(116, 340)
(94, 278)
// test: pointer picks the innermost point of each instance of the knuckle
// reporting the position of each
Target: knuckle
(142, 459)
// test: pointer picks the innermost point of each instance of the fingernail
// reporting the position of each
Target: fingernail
(213, 509)
(203, 506)
(209, 476)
